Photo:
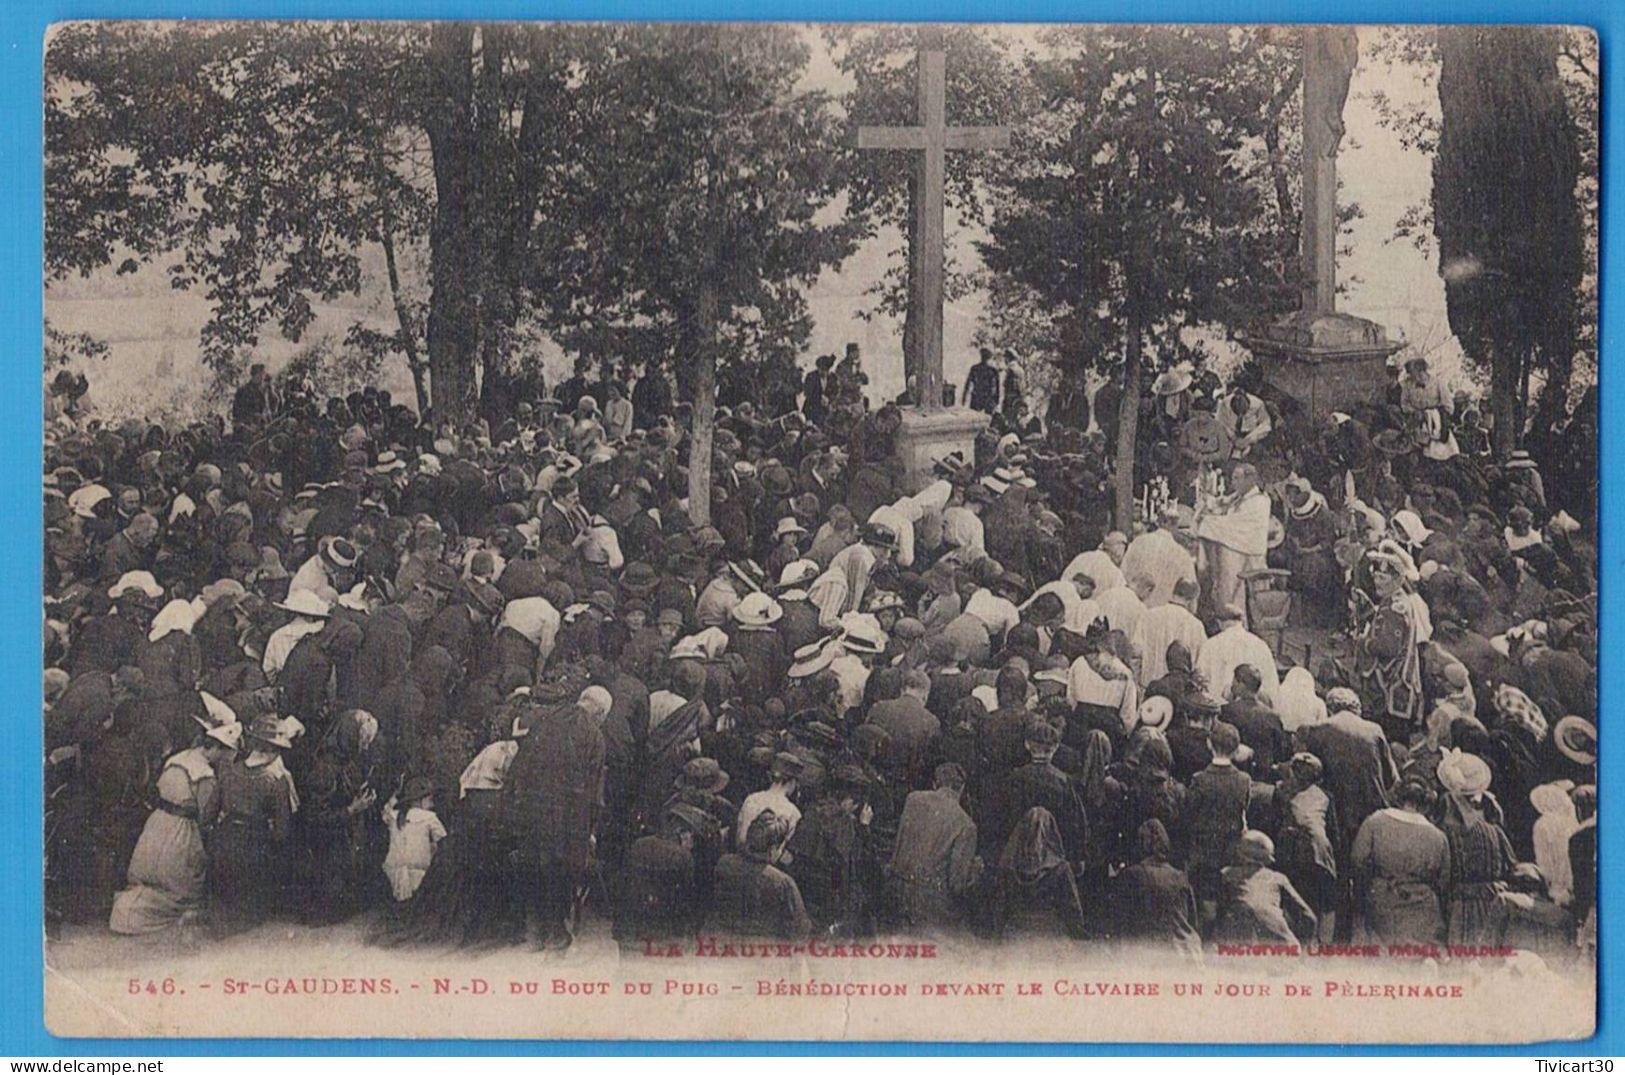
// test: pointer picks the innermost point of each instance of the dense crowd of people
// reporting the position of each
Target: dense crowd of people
(482, 682)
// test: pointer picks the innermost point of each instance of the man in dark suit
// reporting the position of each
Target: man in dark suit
(815, 390)
(934, 864)
(1189, 738)
(1359, 771)
(1038, 783)
(255, 400)
(753, 896)
(561, 524)
(554, 787)
(1217, 808)
(1354, 753)
(1259, 725)
(982, 384)
(651, 397)
(912, 729)
(820, 476)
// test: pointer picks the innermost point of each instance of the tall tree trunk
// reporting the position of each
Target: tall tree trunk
(1505, 202)
(1525, 361)
(409, 336)
(701, 334)
(453, 249)
(1128, 422)
(1279, 173)
(513, 178)
(495, 170)
(1128, 408)
(1504, 378)
(703, 353)
(1281, 176)
(514, 241)
(1552, 409)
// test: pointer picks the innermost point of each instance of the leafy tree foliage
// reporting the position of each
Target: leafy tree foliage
(63, 348)
(256, 160)
(714, 169)
(260, 162)
(1418, 126)
(1138, 204)
(657, 187)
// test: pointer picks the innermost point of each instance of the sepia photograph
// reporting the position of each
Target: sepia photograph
(827, 532)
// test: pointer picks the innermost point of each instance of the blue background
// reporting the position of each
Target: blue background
(22, 1028)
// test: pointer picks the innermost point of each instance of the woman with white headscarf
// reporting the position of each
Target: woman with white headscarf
(1296, 701)
(595, 701)
(901, 516)
(169, 657)
(1557, 822)
(536, 620)
(488, 770)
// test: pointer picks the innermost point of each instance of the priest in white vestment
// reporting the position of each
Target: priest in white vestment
(1158, 555)
(1235, 534)
(1166, 624)
(1124, 605)
(1233, 646)
(1100, 564)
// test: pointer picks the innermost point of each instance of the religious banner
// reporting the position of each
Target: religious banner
(779, 532)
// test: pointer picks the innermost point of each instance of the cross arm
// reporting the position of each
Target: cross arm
(891, 137)
(978, 138)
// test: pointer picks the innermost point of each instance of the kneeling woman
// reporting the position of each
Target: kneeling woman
(168, 874)
(1034, 888)
(1402, 865)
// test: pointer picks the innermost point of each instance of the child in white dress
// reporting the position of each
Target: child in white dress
(414, 830)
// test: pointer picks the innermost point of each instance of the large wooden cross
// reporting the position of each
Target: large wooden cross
(932, 137)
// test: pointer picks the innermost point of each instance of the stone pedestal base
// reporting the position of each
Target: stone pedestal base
(1328, 361)
(927, 436)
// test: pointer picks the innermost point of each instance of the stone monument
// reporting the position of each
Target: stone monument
(1327, 359)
